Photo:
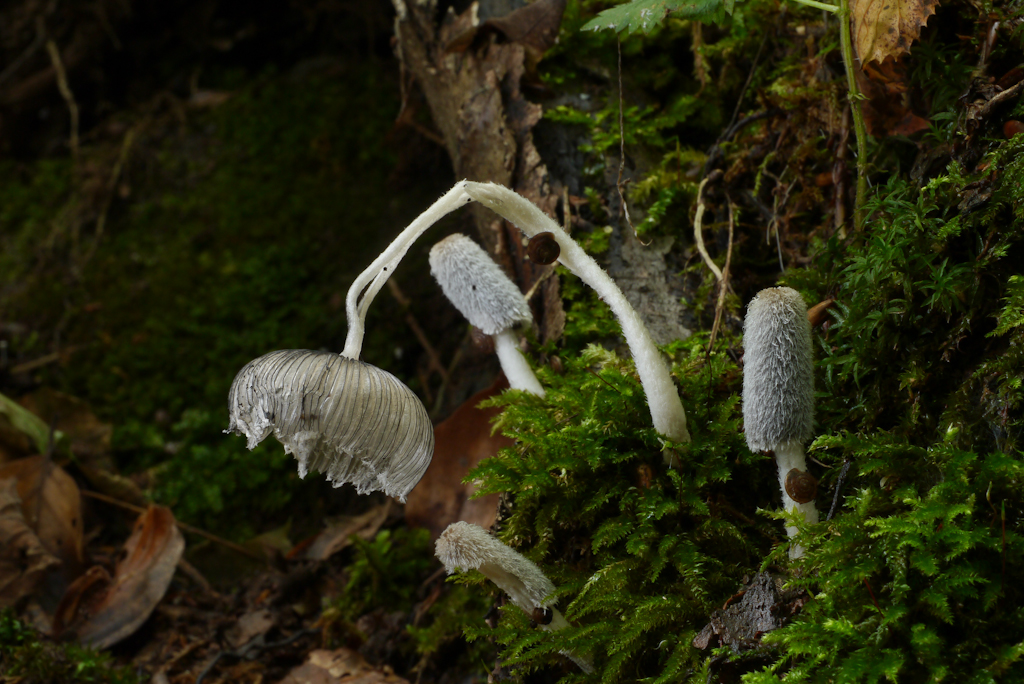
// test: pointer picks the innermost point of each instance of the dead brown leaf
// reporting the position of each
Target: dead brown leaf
(460, 443)
(338, 535)
(343, 666)
(51, 505)
(89, 436)
(886, 28)
(533, 26)
(887, 104)
(23, 558)
(139, 583)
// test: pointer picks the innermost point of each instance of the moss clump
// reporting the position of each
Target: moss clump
(27, 659)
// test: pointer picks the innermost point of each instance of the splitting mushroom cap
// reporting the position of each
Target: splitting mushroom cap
(347, 419)
(465, 546)
(778, 370)
(476, 285)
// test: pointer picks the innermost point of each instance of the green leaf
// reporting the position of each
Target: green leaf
(14, 416)
(645, 15)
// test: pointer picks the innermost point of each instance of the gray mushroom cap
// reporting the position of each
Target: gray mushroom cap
(477, 286)
(465, 546)
(778, 370)
(347, 419)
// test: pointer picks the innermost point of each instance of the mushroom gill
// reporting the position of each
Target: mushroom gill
(347, 419)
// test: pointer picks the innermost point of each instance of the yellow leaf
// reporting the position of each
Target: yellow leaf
(883, 28)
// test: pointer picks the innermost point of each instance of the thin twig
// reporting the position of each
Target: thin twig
(115, 176)
(723, 285)
(256, 644)
(182, 526)
(840, 483)
(697, 226)
(65, 92)
(433, 360)
(619, 183)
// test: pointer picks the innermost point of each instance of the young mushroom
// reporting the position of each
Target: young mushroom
(667, 412)
(464, 546)
(482, 292)
(778, 392)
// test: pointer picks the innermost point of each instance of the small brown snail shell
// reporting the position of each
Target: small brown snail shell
(801, 486)
(481, 340)
(541, 616)
(543, 248)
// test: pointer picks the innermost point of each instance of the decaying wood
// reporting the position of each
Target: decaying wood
(470, 73)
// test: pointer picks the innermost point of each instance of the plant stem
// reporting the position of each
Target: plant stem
(819, 5)
(860, 130)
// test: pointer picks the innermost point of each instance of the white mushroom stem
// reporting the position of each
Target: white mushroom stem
(517, 370)
(788, 457)
(666, 408)
(377, 273)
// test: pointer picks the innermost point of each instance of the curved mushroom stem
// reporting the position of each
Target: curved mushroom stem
(662, 398)
(377, 273)
(517, 370)
(788, 457)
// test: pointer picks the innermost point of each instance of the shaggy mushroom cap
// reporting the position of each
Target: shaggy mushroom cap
(347, 419)
(465, 546)
(482, 292)
(477, 286)
(778, 371)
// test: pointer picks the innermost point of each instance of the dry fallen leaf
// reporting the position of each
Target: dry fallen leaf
(460, 443)
(884, 28)
(52, 506)
(887, 104)
(343, 666)
(338, 535)
(88, 435)
(139, 583)
(23, 558)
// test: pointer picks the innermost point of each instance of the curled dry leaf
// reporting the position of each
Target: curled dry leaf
(343, 666)
(101, 619)
(886, 28)
(23, 558)
(89, 437)
(338, 535)
(51, 505)
(460, 443)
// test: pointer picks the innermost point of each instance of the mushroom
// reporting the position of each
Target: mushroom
(667, 412)
(482, 292)
(347, 419)
(778, 387)
(464, 546)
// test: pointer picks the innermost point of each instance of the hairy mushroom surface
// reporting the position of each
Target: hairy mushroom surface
(778, 386)
(347, 419)
(481, 291)
(464, 546)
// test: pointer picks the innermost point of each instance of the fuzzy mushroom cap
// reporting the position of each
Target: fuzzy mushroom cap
(778, 370)
(476, 285)
(465, 546)
(340, 416)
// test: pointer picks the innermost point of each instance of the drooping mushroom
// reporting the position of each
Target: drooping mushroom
(464, 546)
(778, 388)
(482, 292)
(667, 412)
(336, 414)
(347, 419)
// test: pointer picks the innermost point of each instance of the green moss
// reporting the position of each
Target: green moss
(27, 659)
